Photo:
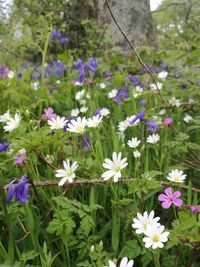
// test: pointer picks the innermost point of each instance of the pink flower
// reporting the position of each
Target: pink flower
(170, 198)
(194, 209)
(49, 114)
(20, 159)
(168, 120)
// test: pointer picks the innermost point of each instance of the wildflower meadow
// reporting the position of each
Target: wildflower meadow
(100, 149)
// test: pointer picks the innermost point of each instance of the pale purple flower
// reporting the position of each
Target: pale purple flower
(143, 102)
(64, 40)
(56, 34)
(170, 198)
(194, 209)
(20, 159)
(153, 127)
(49, 114)
(168, 120)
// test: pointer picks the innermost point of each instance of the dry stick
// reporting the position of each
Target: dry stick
(97, 181)
(135, 52)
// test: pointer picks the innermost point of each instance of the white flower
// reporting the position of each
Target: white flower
(83, 109)
(67, 174)
(162, 112)
(82, 102)
(21, 152)
(136, 154)
(102, 85)
(114, 167)
(11, 74)
(153, 139)
(80, 94)
(94, 122)
(139, 88)
(112, 93)
(104, 112)
(187, 118)
(124, 263)
(35, 85)
(176, 176)
(123, 125)
(175, 102)
(12, 123)
(5, 117)
(57, 123)
(134, 142)
(155, 88)
(162, 75)
(142, 221)
(58, 81)
(77, 126)
(191, 101)
(135, 95)
(155, 237)
(75, 112)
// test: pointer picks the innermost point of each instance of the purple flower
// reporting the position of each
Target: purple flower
(163, 64)
(20, 159)
(86, 142)
(133, 79)
(4, 146)
(93, 64)
(143, 102)
(56, 34)
(153, 127)
(122, 94)
(139, 116)
(97, 112)
(80, 66)
(18, 190)
(194, 209)
(64, 40)
(48, 114)
(170, 198)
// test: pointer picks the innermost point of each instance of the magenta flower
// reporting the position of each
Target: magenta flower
(194, 209)
(20, 159)
(49, 114)
(170, 198)
(168, 120)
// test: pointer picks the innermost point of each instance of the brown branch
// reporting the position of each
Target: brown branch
(100, 182)
(135, 52)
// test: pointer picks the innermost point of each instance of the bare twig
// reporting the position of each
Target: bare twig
(135, 52)
(167, 6)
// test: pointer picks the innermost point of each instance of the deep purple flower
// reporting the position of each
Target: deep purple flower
(4, 146)
(56, 34)
(64, 40)
(139, 116)
(153, 127)
(18, 190)
(86, 142)
(163, 64)
(80, 66)
(97, 112)
(93, 64)
(48, 114)
(133, 79)
(122, 94)
(143, 102)
(170, 198)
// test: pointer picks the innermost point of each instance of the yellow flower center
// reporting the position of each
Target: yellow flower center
(79, 129)
(176, 178)
(155, 238)
(117, 169)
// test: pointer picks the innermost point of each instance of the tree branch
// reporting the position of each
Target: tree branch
(167, 6)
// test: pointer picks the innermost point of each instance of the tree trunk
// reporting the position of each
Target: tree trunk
(134, 16)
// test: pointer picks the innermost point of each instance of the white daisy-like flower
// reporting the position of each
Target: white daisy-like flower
(187, 118)
(135, 95)
(80, 94)
(67, 174)
(12, 123)
(104, 112)
(162, 75)
(114, 167)
(82, 102)
(11, 74)
(83, 109)
(155, 88)
(102, 85)
(58, 81)
(176, 176)
(136, 154)
(77, 126)
(5, 117)
(174, 102)
(123, 125)
(134, 142)
(124, 263)
(143, 220)
(94, 122)
(162, 112)
(153, 139)
(112, 93)
(57, 123)
(155, 237)
(75, 112)
(88, 96)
